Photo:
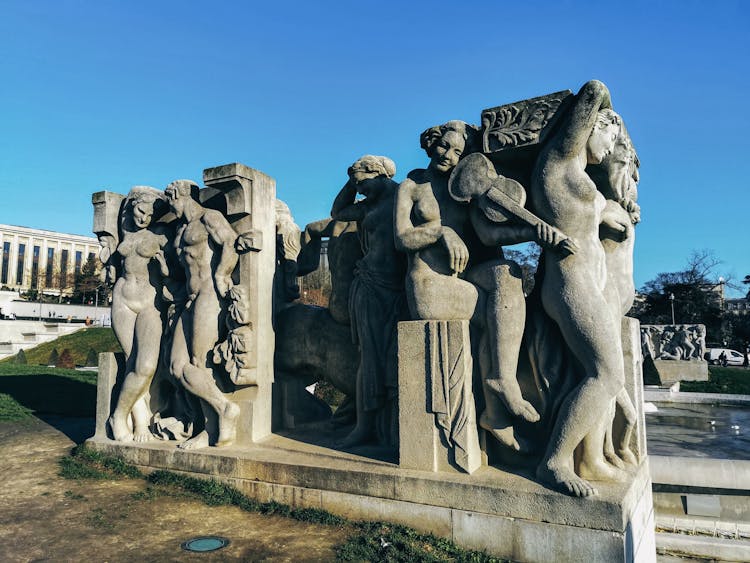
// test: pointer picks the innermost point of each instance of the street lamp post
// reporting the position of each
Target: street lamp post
(671, 301)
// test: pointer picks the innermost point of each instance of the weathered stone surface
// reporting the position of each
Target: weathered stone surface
(437, 418)
(454, 505)
(671, 371)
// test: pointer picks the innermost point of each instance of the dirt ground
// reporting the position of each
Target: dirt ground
(44, 517)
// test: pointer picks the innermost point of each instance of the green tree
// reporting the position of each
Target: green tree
(693, 291)
(86, 282)
(20, 358)
(53, 357)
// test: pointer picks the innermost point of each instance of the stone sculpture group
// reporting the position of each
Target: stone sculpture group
(418, 271)
(674, 342)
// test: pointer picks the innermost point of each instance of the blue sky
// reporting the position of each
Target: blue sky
(107, 95)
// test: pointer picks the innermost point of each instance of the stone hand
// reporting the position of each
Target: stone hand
(458, 254)
(617, 226)
(550, 237)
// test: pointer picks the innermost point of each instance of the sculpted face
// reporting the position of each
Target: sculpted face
(447, 151)
(601, 142)
(176, 202)
(143, 211)
(366, 181)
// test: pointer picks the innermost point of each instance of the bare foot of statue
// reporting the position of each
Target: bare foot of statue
(511, 397)
(564, 479)
(119, 428)
(504, 433)
(358, 436)
(228, 424)
(600, 470)
(143, 435)
(196, 442)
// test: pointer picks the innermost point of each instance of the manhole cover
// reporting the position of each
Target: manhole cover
(205, 543)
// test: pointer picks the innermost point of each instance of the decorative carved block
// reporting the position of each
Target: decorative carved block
(520, 124)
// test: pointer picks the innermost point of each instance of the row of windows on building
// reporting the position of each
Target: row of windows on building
(51, 279)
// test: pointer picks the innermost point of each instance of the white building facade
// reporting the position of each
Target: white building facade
(40, 259)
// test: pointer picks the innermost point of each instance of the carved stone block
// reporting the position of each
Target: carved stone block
(437, 417)
(248, 197)
(520, 124)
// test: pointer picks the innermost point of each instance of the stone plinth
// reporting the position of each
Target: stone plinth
(437, 418)
(507, 514)
(671, 371)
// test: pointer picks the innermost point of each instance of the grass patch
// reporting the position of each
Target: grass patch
(383, 541)
(735, 381)
(26, 389)
(85, 463)
(368, 541)
(79, 343)
(12, 410)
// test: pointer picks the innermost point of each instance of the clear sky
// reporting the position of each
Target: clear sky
(107, 95)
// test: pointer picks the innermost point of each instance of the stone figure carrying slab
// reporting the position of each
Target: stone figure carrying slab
(138, 310)
(573, 286)
(376, 297)
(205, 246)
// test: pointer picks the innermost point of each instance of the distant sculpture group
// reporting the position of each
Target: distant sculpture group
(559, 171)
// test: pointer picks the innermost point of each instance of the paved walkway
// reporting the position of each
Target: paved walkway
(47, 518)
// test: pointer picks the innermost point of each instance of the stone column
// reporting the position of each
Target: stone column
(437, 417)
(247, 197)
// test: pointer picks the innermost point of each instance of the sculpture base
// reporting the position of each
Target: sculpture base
(671, 371)
(506, 514)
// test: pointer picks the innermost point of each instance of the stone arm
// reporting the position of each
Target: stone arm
(409, 237)
(579, 122)
(499, 234)
(308, 259)
(345, 208)
(222, 233)
(613, 225)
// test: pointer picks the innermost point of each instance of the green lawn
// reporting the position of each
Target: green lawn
(27, 390)
(79, 343)
(721, 380)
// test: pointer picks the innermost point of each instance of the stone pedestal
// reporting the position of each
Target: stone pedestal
(671, 371)
(437, 417)
(110, 365)
(508, 515)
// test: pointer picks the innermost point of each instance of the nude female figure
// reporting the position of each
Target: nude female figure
(205, 246)
(137, 308)
(573, 288)
(432, 228)
(376, 297)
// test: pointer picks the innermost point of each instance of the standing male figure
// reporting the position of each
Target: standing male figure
(205, 245)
